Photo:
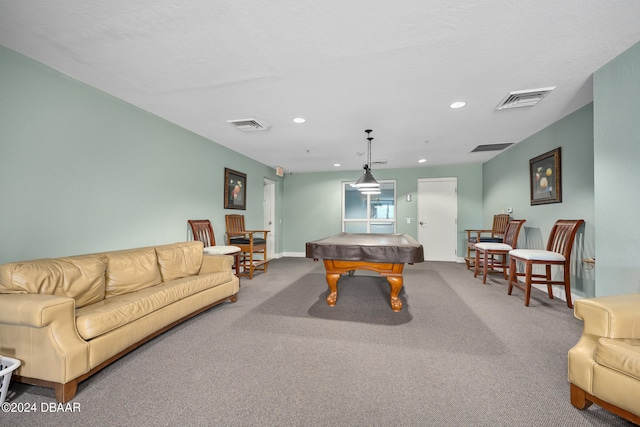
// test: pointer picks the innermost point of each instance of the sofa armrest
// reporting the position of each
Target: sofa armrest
(216, 263)
(40, 331)
(615, 316)
(35, 310)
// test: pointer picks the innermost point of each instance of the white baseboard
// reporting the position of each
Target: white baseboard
(558, 292)
(295, 254)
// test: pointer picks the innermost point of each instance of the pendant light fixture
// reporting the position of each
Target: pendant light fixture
(367, 181)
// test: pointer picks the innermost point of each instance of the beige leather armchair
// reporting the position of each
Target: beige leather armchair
(604, 366)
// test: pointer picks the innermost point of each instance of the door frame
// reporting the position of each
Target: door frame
(455, 257)
(269, 212)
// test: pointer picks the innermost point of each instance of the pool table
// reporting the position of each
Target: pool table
(385, 254)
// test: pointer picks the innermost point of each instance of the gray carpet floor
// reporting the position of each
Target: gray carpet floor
(459, 354)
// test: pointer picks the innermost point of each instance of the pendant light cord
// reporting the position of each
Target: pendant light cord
(369, 156)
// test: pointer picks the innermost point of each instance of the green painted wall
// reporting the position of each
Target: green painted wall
(82, 171)
(313, 205)
(617, 189)
(506, 184)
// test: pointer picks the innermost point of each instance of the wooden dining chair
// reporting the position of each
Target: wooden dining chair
(558, 253)
(496, 234)
(202, 230)
(252, 244)
(493, 255)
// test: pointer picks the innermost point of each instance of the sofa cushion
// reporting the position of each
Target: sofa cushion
(620, 354)
(81, 278)
(111, 313)
(131, 270)
(179, 259)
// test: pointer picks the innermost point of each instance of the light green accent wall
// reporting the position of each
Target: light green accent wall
(617, 173)
(506, 184)
(82, 171)
(313, 205)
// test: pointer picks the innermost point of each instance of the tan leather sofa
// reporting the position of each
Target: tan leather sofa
(67, 318)
(604, 366)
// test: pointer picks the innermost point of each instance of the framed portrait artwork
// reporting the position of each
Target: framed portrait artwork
(235, 189)
(546, 178)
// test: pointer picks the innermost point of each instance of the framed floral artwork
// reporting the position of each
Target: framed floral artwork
(545, 178)
(235, 189)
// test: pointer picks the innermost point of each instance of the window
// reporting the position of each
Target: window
(369, 213)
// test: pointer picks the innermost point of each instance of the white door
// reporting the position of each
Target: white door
(269, 209)
(437, 218)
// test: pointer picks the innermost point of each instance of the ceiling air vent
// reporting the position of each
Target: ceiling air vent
(378, 163)
(524, 98)
(248, 125)
(491, 147)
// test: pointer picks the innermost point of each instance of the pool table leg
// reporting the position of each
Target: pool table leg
(392, 272)
(332, 281)
(396, 286)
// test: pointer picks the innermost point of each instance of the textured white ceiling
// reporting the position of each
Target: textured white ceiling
(345, 66)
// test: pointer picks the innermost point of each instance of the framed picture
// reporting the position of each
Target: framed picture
(235, 189)
(545, 177)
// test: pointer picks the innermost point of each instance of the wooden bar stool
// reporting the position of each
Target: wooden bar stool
(492, 255)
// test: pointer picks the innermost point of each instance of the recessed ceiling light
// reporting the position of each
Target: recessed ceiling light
(299, 120)
(422, 160)
(458, 104)
(336, 164)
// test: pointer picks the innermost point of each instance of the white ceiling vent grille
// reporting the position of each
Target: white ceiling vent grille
(524, 98)
(491, 147)
(378, 163)
(248, 125)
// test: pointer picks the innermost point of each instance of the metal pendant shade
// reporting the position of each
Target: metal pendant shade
(367, 181)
